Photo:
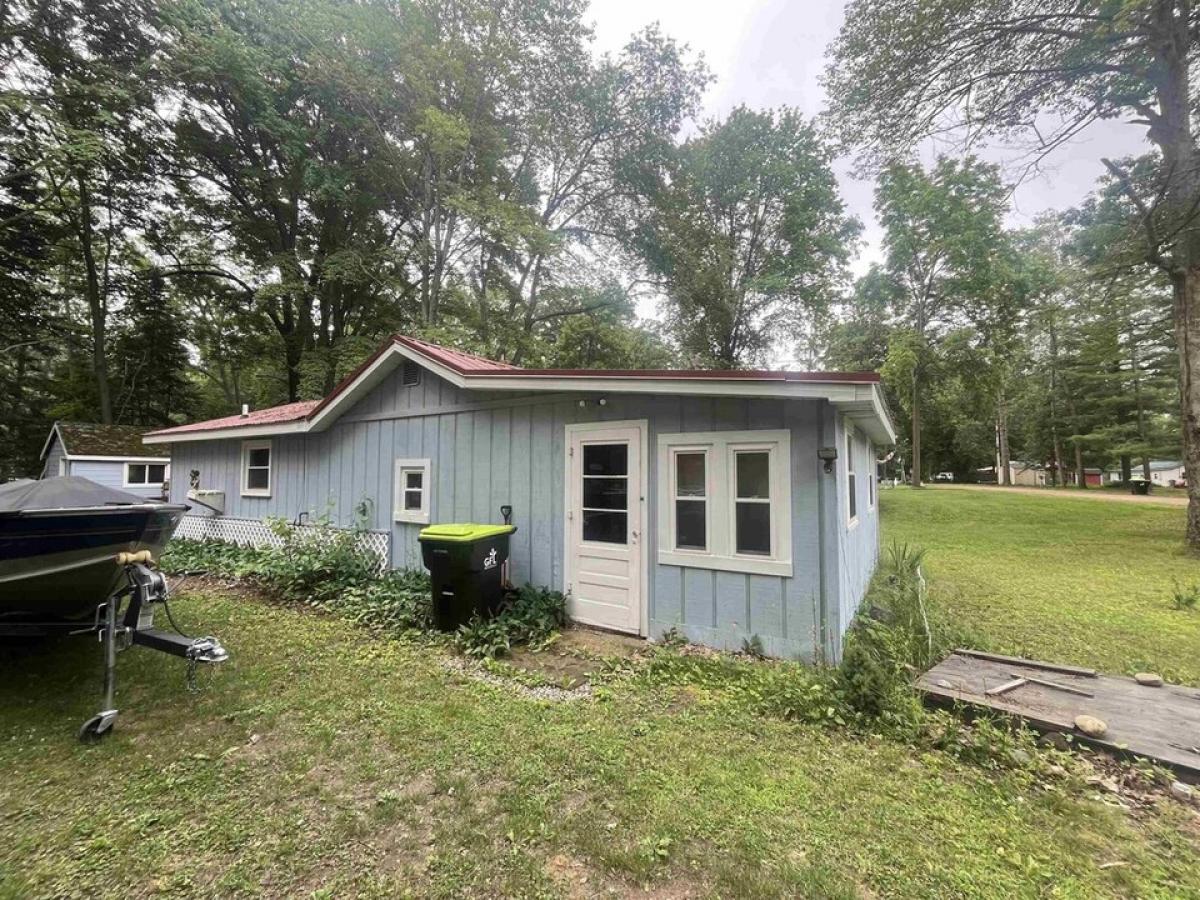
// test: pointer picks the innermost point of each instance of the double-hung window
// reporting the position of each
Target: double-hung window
(690, 507)
(145, 474)
(256, 468)
(725, 501)
(411, 500)
(851, 480)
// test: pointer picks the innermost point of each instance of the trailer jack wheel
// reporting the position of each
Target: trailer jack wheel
(97, 726)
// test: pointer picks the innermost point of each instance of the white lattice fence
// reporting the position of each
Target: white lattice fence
(256, 533)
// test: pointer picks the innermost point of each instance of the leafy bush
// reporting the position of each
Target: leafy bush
(320, 566)
(1185, 598)
(484, 638)
(184, 556)
(319, 563)
(396, 601)
(529, 615)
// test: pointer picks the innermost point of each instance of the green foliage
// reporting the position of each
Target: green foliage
(319, 566)
(1185, 597)
(753, 647)
(317, 563)
(484, 638)
(530, 615)
(747, 233)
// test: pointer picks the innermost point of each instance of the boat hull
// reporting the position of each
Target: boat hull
(60, 564)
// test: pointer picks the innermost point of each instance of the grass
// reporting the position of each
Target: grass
(321, 761)
(1084, 583)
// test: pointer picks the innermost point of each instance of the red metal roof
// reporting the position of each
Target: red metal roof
(272, 415)
(469, 365)
(458, 360)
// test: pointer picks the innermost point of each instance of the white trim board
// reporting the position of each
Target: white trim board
(721, 555)
(861, 400)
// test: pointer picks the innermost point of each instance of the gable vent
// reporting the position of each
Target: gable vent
(411, 374)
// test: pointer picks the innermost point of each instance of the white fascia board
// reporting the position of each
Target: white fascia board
(836, 392)
(50, 437)
(235, 431)
(133, 459)
(867, 411)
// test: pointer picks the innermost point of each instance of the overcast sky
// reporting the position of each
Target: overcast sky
(767, 53)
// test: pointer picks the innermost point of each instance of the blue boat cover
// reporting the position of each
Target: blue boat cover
(64, 492)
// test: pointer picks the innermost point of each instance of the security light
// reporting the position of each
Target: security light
(828, 455)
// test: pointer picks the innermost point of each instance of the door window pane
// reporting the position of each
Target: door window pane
(754, 528)
(753, 475)
(690, 525)
(604, 526)
(605, 459)
(689, 475)
(605, 493)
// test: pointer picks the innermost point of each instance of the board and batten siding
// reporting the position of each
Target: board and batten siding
(54, 458)
(493, 448)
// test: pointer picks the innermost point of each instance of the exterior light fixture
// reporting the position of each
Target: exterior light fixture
(828, 455)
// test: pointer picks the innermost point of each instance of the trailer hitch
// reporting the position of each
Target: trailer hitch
(145, 588)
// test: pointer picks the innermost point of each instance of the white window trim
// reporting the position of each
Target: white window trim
(247, 446)
(872, 477)
(674, 450)
(125, 482)
(852, 519)
(722, 507)
(399, 513)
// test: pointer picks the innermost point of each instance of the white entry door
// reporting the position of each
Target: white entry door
(605, 497)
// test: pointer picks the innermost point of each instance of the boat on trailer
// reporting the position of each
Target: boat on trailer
(77, 557)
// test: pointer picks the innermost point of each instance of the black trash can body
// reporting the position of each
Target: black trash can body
(1139, 486)
(465, 564)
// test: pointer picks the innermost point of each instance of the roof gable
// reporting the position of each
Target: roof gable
(94, 439)
(856, 394)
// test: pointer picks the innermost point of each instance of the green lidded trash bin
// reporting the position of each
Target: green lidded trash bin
(465, 564)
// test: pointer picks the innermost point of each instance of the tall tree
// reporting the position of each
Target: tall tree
(944, 243)
(81, 79)
(747, 235)
(905, 70)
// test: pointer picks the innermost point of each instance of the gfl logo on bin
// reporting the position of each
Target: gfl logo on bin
(489, 561)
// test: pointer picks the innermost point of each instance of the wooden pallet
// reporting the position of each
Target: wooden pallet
(1157, 723)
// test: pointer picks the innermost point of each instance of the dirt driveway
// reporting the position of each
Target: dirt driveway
(1090, 494)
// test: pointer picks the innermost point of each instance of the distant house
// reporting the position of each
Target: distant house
(723, 504)
(1026, 473)
(1162, 471)
(112, 455)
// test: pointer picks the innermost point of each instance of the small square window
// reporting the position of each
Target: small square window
(411, 502)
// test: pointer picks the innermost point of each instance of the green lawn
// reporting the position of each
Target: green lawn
(323, 761)
(1060, 578)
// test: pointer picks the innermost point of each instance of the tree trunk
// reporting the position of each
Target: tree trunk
(916, 433)
(1080, 474)
(1187, 338)
(1005, 459)
(1126, 467)
(97, 305)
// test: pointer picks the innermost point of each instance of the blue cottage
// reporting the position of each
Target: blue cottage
(722, 504)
